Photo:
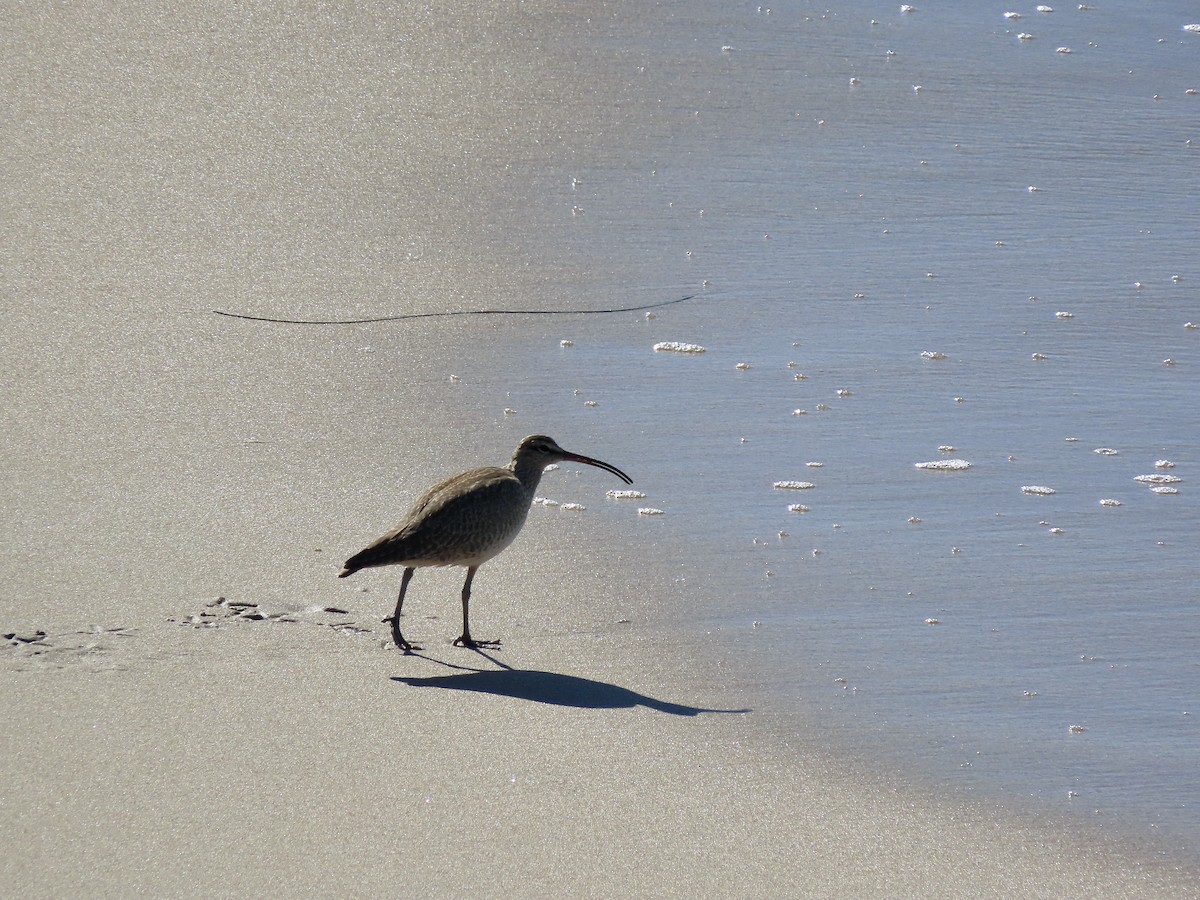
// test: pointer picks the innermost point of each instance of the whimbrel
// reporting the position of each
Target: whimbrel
(465, 521)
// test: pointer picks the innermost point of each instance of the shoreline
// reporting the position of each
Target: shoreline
(160, 457)
(291, 757)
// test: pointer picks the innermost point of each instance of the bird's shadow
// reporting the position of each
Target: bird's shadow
(547, 687)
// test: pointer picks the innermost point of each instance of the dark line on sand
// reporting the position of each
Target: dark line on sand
(456, 312)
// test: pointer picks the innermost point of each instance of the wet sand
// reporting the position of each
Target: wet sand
(158, 458)
(298, 755)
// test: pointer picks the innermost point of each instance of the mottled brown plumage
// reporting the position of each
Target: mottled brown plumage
(465, 521)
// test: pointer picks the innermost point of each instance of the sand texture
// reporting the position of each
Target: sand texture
(193, 704)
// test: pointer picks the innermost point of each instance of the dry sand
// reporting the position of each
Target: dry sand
(164, 161)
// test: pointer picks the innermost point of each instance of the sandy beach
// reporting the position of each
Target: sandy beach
(260, 758)
(194, 704)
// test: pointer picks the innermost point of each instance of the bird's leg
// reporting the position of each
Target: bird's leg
(395, 617)
(465, 639)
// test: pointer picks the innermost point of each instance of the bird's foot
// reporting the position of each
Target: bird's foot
(465, 640)
(400, 640)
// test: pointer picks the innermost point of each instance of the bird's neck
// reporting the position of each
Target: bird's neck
(528, 473)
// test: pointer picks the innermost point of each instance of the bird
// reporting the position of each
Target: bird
(465, 520)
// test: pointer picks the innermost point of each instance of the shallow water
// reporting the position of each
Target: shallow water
(848, 228)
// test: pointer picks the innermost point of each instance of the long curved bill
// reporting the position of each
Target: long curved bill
(588, 461)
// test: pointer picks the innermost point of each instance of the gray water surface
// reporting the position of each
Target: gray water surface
(1026, 215)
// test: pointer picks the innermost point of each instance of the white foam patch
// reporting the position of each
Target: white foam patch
(932, 354)
(677, 347)
(945, 465)
(1105, 451)
(798, 508)
(650, 511)
(544, 501)
(1038, 490)
(1158, 479)
(574, 507)
(1162, 489)
(1108, 501)
(793, 485)
(625, 495)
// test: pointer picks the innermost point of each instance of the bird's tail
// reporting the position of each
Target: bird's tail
(359, 560)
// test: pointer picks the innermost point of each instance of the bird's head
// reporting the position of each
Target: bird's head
(540, 450)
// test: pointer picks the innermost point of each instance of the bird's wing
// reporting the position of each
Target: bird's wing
(439, 519)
